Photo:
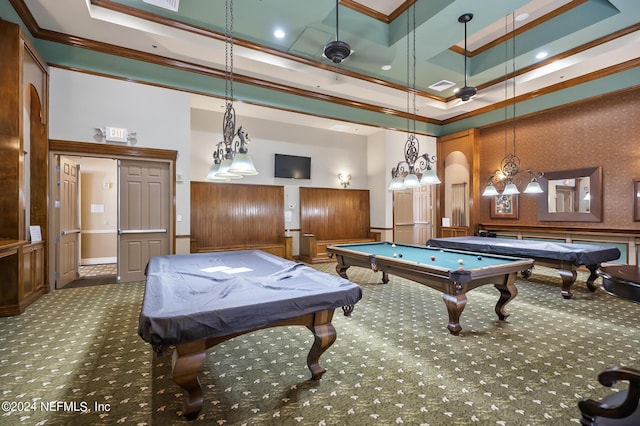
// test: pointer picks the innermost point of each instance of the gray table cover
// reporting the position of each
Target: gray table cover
(196, 296)
(578, 254)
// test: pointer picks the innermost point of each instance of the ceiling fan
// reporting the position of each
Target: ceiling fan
(337, 50)
(466, 92)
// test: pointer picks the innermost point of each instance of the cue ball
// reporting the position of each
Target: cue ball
(395, 254)
(393, 245)
(460, 261)
(433, 258)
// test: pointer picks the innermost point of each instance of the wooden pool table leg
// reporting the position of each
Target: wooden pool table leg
(188, 359)
(341, 269)
(324, 335)
(508, 291)
(455, 304)
(568, 278)
(592, 277)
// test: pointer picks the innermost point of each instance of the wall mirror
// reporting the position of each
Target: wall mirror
(571, 195)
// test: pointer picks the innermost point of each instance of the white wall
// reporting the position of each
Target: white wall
(80, 102)
(389, 150)
(163, 118)
(331, 153)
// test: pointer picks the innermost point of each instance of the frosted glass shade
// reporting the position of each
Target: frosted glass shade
(243, 165)
(429, 177)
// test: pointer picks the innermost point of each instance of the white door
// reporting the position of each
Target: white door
(144, 213)
(403, 216)
(422, 214)
(68, 242)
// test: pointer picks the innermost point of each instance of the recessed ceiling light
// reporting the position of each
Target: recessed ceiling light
(541, 55)
(522, 17)
(386, 67)
(339, 127)
(279, 33)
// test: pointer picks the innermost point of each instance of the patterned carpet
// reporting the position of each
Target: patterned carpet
(394, 361)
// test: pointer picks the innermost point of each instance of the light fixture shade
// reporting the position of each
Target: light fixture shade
(429, 177)
(490, 190)
(510, 189)
(411, 181)
(223, 171)
(243, 165)
(212, 175)
(396, 184)
(533, 188)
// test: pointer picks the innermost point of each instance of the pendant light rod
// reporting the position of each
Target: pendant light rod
(466, 92)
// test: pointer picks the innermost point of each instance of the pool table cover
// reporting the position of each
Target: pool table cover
(578, 254)
(206, 295)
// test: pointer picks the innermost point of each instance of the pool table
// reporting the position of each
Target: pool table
(453, 272)
(195, 301)
(564, 257)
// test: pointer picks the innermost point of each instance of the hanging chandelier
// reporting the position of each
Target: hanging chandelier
(507, 178)
(405, 174)
(231, 159)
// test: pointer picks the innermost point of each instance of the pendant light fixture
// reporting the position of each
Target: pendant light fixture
(405, 174)
(231, 159)
(510, 174)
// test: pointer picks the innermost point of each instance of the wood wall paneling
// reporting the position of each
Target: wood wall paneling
(333, 214)
(228, 215)
(11, 202)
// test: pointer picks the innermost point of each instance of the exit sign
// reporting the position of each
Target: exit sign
(116, 134)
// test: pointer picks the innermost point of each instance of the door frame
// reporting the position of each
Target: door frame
(89, 149)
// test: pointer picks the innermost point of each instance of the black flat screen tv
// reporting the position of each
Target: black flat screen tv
(292, 167)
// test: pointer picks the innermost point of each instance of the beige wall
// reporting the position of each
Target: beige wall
(602, 132)
(98, 189)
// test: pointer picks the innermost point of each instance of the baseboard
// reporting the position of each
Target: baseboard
(98, 260)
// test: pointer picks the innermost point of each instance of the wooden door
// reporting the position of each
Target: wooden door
(422, 214)
(403, 216)
(68, 246)
(144, 213)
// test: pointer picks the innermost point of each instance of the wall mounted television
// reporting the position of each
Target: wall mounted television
(292, 167)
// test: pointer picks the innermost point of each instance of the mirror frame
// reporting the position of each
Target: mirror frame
(595, 190)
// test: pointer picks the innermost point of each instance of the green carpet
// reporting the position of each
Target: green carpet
(394, 361)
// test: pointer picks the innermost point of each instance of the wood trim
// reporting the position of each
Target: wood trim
(520, 30)
(387, 19)
(117, 7)
(614, 69)
(558, 229)
(26, 16)
(105, 150)
(605, 39)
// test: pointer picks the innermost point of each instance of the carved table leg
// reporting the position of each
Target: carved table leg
(324, 334)
(592, 277)
(341, 269)
(568, 278)
(188, 359)
(455, 304)
(347, 310)
(508, 291)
